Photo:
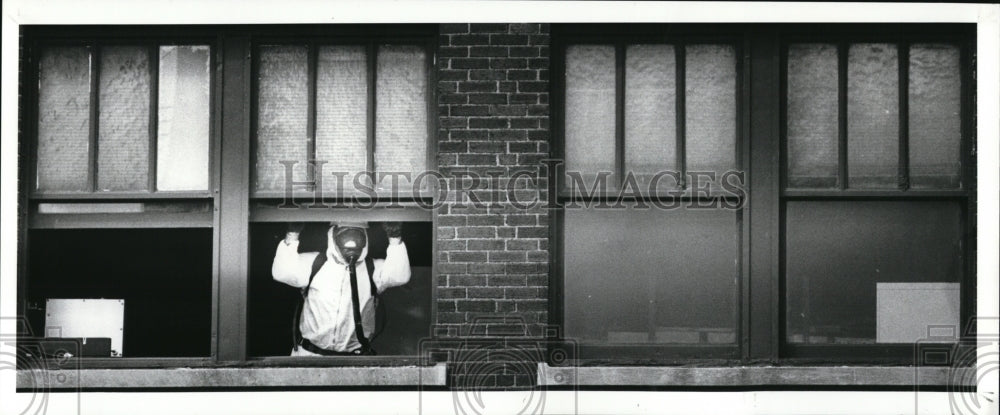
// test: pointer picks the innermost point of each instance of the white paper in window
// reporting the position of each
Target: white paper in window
(342, 114)
(183, 114)
(401, 113)
(282, 116)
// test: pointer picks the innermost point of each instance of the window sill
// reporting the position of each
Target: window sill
(744, 376)
(232, 377)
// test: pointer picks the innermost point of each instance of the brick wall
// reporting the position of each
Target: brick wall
(493, 261)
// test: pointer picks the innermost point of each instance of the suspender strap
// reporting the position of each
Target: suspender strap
(370, 264)
(359, 330)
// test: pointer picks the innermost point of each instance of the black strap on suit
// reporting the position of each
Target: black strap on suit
(358, 327)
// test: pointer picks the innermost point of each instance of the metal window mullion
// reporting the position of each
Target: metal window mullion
(154, 90)
(842, 52)
(372, 56)
(95, 82)
(311, 64)
(620, 114)
(904, 115)
(680, 113)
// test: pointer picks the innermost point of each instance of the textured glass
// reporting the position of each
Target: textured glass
(183, 114)
(401, 112)
(650, 113)
(123, 129)
(872, 116)
(710, 110)
(837, 251)
(590, 111)
(342, 114)
(812, 116)
(282, 115)
(935, 119)
(651, 276)
(63, 120)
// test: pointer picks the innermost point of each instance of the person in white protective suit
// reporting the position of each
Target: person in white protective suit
(327, 321)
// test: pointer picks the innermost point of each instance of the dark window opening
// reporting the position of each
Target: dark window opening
(164, 277)
(404, 311)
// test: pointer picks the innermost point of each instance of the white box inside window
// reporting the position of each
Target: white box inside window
(911, 312)
(86, 318)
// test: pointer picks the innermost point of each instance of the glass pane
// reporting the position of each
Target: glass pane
(710, 110)
(812, 116)
(123, 129)
(651, 276)
(282, 115)
(935, 116)
(341, 114)
(650, 113)
(63, 120)
(183, 114)
(590, 112)
(401, 112)
(872, 116)
(840, 255)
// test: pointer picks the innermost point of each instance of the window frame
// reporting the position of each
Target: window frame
(36, 38)
(762, 155)
(229, 192)
(622, 36)
(94, 44)
(903, 36)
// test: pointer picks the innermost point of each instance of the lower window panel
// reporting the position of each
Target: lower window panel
(404, 312)
(872, 272)
(162, 277)
(651, 276)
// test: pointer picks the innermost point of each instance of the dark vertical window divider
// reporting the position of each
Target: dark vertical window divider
(680, 74)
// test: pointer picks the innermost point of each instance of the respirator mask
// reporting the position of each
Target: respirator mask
(350, 241)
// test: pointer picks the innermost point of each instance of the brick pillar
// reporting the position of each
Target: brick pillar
(493, 262)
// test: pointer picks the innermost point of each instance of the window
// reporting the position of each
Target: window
(119, 201)
(334, 112)
(123, 119)
(339, 122)
(876, 201)
(849, 237)
(648, 121)
(145, 169)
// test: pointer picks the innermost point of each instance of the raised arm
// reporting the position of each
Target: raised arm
(395, 269)
(289, 266)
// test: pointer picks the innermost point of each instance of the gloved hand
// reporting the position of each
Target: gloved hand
(393, 229)
(294, 229)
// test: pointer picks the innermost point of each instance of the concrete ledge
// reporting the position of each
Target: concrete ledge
(753, 376)
(206, 377)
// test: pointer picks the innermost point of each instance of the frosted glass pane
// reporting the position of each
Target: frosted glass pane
(650, 113)
(935, 120)
(282, 115)
(401, 111)
(590, 111)
(812, 116)
(63, 119)
(123, 129)
(651, 276)
(710, 111)
(872, 116)
(183, 114)
(839, 251)
(341, 113)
